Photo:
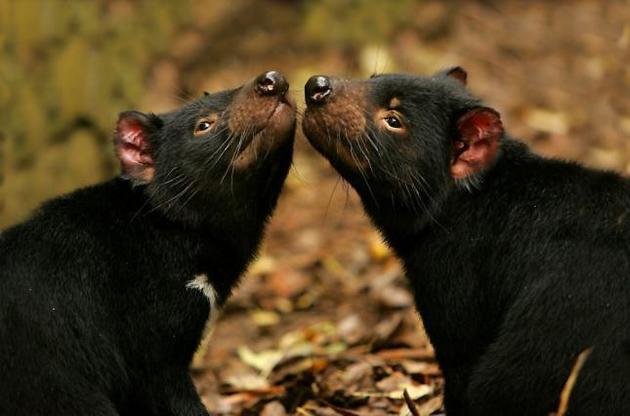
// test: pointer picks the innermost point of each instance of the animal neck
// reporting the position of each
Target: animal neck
(451, 260)
(235, 237)
(400, 223)
(436, 214)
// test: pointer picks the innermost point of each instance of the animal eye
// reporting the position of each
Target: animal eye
(393, 122)
(203, 126)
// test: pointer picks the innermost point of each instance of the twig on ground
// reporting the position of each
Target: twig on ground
(570, 383)
(406, 353)
(410, 404)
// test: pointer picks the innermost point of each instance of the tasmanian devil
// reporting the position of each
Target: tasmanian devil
(105, 292)
(518, 263)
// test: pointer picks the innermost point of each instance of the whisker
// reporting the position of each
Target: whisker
(364, 153)
(169, 201)
(233, 157)
(331, 197)
(360, 169)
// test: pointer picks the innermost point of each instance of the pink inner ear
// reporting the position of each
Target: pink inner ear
(480, 130)
(133, 149)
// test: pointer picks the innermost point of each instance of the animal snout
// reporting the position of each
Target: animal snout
(317, 89)
(271, 83)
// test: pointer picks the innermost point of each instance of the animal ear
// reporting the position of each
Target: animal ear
(133, 146)
(456, 72)
(478, 134)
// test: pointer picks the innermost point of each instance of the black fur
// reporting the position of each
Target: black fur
(95, 314)
(516, 269)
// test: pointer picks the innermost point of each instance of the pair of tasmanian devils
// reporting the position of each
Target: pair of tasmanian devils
(518, 263)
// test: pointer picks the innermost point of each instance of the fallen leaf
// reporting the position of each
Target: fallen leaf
(384, 330)
(274, 408)
(352, 329)
(229, 402)
(378, 250)
(417, 391)
(394, 297)
(421, 367)
(307, 300)
(284, 305)
(336, 348)
(402, 353)
(393, 382)
(297, 366)
(356, 372)
(263, 317)
(332, 265)
(264, 361)
(247, 381)
(395, 385)
(302, 411)
(262, 265)
(430, 406)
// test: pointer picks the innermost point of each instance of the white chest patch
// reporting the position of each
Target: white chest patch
(200, 282)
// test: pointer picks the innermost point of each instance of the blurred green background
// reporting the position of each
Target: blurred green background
(558, 71)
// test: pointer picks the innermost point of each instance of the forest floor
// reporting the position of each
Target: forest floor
(323, 323)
